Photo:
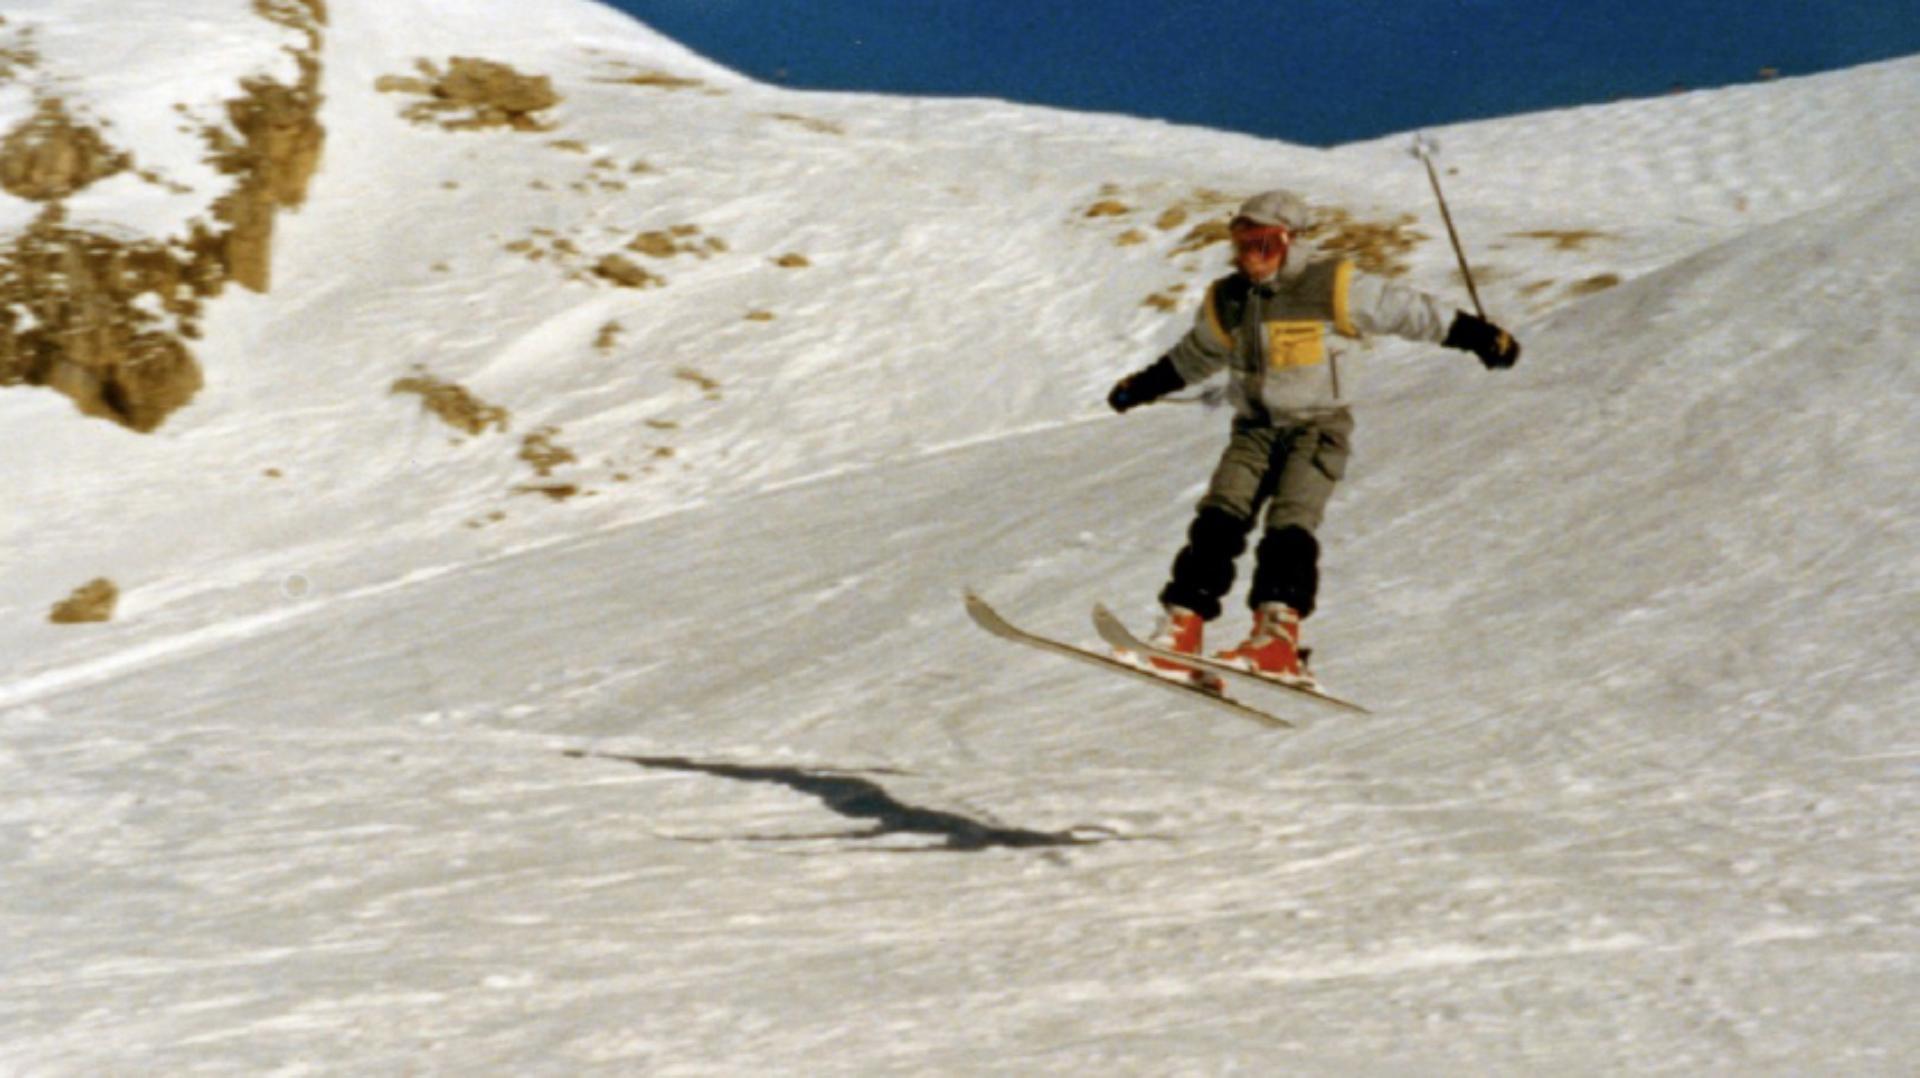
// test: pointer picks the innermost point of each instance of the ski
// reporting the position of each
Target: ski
(1115, 632)
(989, 619)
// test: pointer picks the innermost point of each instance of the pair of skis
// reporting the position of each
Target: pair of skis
(1115, 633)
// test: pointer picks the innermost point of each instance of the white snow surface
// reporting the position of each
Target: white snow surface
(383, 767)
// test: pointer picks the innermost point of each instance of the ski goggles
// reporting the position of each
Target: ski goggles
(1267, 241)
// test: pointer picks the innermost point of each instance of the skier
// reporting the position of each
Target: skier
(1277, 325)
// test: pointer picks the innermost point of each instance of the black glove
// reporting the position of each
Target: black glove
(1495, 346)
(1145, 386)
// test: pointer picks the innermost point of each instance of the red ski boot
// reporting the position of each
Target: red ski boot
(1273, 648)
(1181, 630)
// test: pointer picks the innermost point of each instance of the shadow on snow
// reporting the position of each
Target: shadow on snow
(861, 799)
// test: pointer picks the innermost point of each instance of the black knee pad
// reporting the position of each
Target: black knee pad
(1288, 570)
(1219, 532)
(1203, 571)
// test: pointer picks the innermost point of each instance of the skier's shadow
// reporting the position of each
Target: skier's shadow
(861, 799)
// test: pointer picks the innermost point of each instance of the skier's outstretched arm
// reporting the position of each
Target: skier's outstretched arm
(1381, 306)
(1146, 385)
(1203, 351)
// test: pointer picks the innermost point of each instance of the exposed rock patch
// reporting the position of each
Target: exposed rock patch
(708, 386)
(1378, 247)
(453, 403)
(608, 337)
(1205, 204)
(274, 159)
(624, 272)
(18, 55)
(1202, 236)
(578, 257)
(541, 451)
(678, 240)
(1597, 283)
(91, 602)
(817, 126)
(657, 80)
(1165, 300)
(104, 319)
(1563, 239)
(77, 314)
(474, 94)
(544, 244)
(558, 492)
(49, 156)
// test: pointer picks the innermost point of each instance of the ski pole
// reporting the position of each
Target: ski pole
(1424, 148)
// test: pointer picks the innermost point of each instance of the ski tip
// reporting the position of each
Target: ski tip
(1104, 615)
(983, 614)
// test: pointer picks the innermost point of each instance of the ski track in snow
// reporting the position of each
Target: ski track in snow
(708, 772)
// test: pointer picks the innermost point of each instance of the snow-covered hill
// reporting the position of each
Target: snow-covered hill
(596, 737)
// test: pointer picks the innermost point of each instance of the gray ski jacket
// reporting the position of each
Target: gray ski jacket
(1282, 341)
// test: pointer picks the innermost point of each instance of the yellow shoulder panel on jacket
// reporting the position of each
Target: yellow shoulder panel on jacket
(1342, 300)
(1220, 333)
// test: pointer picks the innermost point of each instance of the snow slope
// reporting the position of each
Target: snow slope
(383, 766)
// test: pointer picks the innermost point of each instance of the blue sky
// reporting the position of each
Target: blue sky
(1312, 71)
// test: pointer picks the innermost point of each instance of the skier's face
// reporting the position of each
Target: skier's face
(1260, 250)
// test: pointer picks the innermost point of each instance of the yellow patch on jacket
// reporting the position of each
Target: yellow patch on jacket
(1296, 344)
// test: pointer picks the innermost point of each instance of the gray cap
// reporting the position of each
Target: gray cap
(1278, 208)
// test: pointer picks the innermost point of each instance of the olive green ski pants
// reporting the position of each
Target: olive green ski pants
(1292, 468)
